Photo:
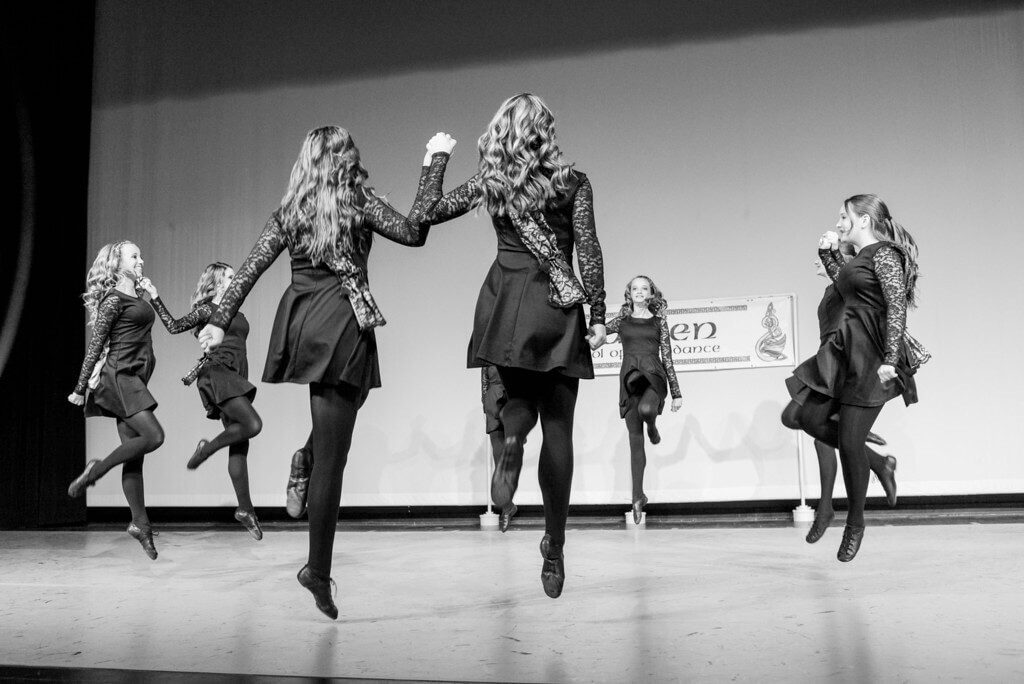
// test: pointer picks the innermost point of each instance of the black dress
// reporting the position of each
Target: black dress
(225, 375)
(646, 355)
(124, 323)
(869, 333)
(315, 336)
(514, 326)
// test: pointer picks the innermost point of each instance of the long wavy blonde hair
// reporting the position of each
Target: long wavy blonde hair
(103, 276)
(209, 282)
(521, 167)
(657, 304)
(885, 228)
(326, 194)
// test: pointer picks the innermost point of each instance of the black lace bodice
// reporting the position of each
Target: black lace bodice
(887, 267)
(584, 235)
(639, 337)
(379, 217)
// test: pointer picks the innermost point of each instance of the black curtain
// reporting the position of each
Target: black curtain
(47, 69)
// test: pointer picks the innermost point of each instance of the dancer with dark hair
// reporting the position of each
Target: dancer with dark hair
(646, 374)
(830, 311)
(114, 377)
(864, 364)
(323, 334)
(223, 382)
(529, 319)
(493, 398)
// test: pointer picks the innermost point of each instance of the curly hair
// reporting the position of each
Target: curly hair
(885, 228)
(326, 194)
(209, 282)
(103, 275)
(657, 304)
(521, 168)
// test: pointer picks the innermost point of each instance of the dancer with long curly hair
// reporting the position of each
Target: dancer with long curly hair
(529, 319)
(114, 377)
(646, 374)
(864, 364)
(323, 334)
(223, 383)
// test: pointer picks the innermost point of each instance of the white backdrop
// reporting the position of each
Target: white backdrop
(716, 163)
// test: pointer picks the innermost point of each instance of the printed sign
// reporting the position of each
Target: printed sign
(721, 334)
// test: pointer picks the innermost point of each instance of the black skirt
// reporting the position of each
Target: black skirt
(316, 337)
(515, 326)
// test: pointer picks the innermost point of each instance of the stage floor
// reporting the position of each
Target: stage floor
(920, 603)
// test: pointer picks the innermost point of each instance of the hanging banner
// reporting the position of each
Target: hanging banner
(721, 334)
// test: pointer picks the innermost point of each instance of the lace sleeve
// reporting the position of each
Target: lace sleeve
(193, 319)
(666, 358)
(588, 251)
(109, 310)
(832, 261)
(613, 325)
(267, 248)
(455, 203)
(889, 270)
(412, 231)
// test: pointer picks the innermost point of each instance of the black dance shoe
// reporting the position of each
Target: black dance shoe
(320, 586)
(638, 509)
(248, 519)
(144, 535)
(198, 456)
(298, 484)
(552, 572)
(505, 479)
(888, 480)
(819, 526)
(84, 480)
(848, 548)
(505, 519)
(872, 438)
(653, 434)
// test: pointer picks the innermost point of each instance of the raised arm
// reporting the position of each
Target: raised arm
(412, 230)
(455, 203)
(889, 270)
(109, 310)
(266, 250)
(588, 251)
(193, 319)
(665, 344)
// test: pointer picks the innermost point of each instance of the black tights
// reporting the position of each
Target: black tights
(551, 397)
(848, 435)
(641, 408)
(333, 408)
(241, 423)
(140, 434)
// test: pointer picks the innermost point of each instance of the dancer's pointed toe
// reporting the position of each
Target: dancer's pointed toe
(321, 587)
(818, 527)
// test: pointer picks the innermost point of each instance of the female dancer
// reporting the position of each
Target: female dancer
(863, 364)
(223, 385)
(830, 310)
(493, 397)
(323, 332)
(114, 375)
(529, 315)
(646, 374)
